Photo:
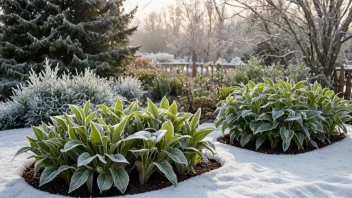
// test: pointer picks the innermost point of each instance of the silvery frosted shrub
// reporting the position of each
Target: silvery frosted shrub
(10, 115)
(160, 57)
(46, 94)
(298, 72)
(129, 88)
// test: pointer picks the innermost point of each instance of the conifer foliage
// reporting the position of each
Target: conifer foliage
(72, 34)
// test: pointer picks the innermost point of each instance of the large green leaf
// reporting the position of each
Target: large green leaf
(246, 113)
(299, 139)
(22, 150)
(121, 178)
(192, 149)
(86, 158)
(71, 133)
(51, 172)
(230, 118)
(260, 140)
(153, 109)
(299, 85)
(286, 136)
(195, 119)
(176, 139)
(245, 139)
(176, 155)
(277, 114)
(105, 181)
(218, 122)
(71, 145)
(312, 114)
(118, 158)
(116, 135)
(119, 105)
(264, 117)
(78, 114)
(173, 108)
(86, 108)
(79, 178)
(95, 136)
(39, 133)
(165, 167)
(90, 181)
(39, 164)
(263, 127)
(164, 104)
(89, 118)
(202, 133)
(168, 126)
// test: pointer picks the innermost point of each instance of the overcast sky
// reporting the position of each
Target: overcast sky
(147, 6)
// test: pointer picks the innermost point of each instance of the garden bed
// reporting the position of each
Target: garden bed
(156, 182)
(266, 148)
(323, 172)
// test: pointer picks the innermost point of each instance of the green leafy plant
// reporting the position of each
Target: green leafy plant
(255, 71)
(160, 87)
(298, 72)
(110, 143)
(282, 113)
(224, 92)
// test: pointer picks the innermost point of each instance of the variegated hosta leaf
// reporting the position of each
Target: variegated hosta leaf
(165, 167)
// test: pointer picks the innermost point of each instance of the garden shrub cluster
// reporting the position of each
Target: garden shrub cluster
(112, 142)
(47, 94)
(293, 116)
(255, 72)
(160, 57)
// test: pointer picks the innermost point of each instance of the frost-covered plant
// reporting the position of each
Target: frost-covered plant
(322, 80)
(273, 72)
(293, 115)
(160, 57)
(48, 94)
(255, 72)
(160, 87)
(298, 72)
(115, 140)
(129, 87)
(11, 115)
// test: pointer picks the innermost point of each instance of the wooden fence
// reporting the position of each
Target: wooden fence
(343, 81)
(342, 77)
(197, 69)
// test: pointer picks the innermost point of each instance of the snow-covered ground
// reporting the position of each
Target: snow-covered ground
(321, 173)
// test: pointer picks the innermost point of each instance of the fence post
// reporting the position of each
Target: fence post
(194, 70)
(342, 80)
(206, 70)
(201, 70)
(348, 86)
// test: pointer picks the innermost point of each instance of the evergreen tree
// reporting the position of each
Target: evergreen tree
(73, 34)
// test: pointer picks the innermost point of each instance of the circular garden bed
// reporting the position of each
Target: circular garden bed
(266, 147)
(156, 182)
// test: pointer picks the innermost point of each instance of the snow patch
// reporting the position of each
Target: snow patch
(321, 173)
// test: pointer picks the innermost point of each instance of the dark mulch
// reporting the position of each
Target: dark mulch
(266, 148)
(156, 182)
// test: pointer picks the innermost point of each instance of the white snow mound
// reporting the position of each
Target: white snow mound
(321, 173)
